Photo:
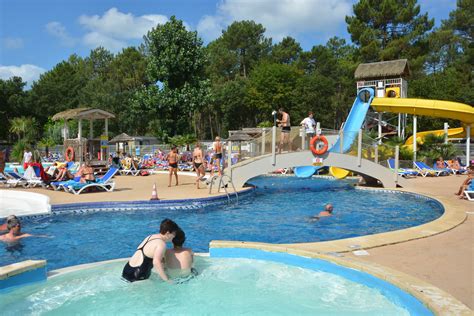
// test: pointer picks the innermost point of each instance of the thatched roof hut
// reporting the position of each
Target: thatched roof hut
(239, 136)
(382, 70)
(122, 138)
(83, 113)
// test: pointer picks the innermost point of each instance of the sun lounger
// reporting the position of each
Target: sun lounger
(448, 171)
(131, 169)
(462, 169)
(402, 171)
(58, 185)
(469, 192)
(3, 178)
(15, 179)
(426, 170)
(105, 182)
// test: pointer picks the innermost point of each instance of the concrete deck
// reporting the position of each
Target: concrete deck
(440, 253)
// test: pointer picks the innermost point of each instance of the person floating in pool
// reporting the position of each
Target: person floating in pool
(179, 260)
(14, 230)
(150, 253)
(328, 208)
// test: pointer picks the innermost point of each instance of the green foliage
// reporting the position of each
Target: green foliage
(287, 51)
(434, 147)
(265, 124)
(389, 29)
(26, 128)
(176, 58)
(241, 46)
(172, 85)
(17, 151)
(272, 86)
(12, 102)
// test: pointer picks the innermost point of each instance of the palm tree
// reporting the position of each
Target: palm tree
(24, 127)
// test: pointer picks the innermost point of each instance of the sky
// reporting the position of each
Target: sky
(35, 35)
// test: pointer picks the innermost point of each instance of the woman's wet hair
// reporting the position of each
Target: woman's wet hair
(13, 222)
(168, 226)
(179, 239)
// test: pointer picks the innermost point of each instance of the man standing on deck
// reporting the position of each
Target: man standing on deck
(284, 122)
(310, 127)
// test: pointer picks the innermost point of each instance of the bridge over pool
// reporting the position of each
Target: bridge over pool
(247, 169)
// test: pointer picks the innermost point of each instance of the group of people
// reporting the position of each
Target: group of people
(283, 121)
(169, 264)
(453, 164)
(198, 161)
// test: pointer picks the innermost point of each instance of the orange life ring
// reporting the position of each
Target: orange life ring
(312, 144)
(69, 155)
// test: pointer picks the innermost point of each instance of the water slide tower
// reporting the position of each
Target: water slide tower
(388, 79)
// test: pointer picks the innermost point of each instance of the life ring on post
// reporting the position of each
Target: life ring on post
(69, 155)
(314, 140)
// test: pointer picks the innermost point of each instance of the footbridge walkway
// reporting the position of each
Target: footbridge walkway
(247, 169)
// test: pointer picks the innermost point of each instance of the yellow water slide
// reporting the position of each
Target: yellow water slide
(458, 132)
(339, 173)
(434, 108)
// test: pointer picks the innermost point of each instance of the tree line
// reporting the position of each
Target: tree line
(173, 85)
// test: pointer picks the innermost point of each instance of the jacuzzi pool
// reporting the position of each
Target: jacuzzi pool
(281, 285)
(276, 212)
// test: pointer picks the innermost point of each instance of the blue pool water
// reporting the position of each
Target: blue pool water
(277, 212)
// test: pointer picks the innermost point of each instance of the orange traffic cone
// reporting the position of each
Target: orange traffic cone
(154, 195)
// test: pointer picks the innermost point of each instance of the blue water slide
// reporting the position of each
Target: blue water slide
(354, 120)
(306, 171)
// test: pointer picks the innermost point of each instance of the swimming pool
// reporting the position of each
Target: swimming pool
(276, 212)
(224, 286)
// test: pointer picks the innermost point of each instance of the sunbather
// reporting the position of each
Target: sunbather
(87, 175)
(440, 163)
(466, 182)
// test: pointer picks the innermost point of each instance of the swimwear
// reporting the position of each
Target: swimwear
(180, 279)
(197, 165)
(285, 129)
(218, 155)
(174, 165)
(141, 272)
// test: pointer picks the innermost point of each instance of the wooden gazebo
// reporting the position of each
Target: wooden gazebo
(91, 115)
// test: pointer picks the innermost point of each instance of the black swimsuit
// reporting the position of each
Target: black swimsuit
(143, 271)
(197, 165)
(173, 164)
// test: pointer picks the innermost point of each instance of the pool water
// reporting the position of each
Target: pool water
(224, 286)
(277, 212)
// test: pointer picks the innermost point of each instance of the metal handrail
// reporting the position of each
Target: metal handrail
(224, 186)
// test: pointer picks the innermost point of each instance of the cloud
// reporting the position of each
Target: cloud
(113, 29)
(280, 18)
(12, 42)
(58, 30)
(27, 72)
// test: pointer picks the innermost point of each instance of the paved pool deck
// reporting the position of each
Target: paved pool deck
(440, 253)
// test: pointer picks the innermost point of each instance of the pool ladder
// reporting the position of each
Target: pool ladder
(223, 183)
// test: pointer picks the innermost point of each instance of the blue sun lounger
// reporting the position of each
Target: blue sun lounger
(426, 170)
(402, 171)
(105, 182)
(447, 170)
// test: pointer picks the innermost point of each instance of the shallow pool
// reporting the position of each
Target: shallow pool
(277, 212)
(224, 286)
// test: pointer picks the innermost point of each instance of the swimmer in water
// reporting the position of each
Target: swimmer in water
(179, 260)
(14, 231)
(327, 212)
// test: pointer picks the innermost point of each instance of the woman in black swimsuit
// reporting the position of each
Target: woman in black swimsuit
(150, 254)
